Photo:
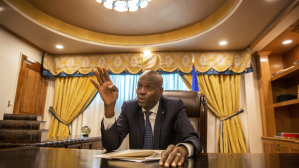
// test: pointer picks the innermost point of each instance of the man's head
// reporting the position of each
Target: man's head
(149, 89)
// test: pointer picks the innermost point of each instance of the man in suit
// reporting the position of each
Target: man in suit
(153, 121)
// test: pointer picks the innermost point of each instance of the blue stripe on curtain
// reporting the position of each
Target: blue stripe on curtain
(210, 72)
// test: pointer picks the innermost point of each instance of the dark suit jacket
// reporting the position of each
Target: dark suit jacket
(171, 127)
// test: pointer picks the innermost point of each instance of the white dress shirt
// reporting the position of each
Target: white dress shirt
(108, 122)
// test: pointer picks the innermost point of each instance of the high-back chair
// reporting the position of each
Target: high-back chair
(196, 109)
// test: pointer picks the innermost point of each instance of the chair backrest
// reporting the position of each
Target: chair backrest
(196, 109)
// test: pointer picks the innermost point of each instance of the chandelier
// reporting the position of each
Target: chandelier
(124, 5)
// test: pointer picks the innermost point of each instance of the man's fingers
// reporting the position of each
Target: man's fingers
(113, 87)
(171, 157)
(94, 83)
(106, 74)
(96, 72)
(176, 160)
(164, 154)
(101, 74)
(181, 162)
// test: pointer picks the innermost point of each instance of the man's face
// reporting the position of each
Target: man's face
(148, 91)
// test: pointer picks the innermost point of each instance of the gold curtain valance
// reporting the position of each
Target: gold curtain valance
(236, 61)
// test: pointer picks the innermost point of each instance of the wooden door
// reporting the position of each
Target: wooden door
(31, 89)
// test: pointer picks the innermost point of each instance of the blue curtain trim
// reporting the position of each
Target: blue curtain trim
(56, 116)
(210, 72)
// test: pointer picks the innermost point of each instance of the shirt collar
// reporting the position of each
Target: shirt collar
(154, 109)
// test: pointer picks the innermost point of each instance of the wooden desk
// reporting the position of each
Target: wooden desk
(31, 157)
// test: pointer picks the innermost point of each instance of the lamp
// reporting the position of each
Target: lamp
(124, 5)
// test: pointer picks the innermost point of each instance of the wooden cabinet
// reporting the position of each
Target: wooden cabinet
(278, 116)
(279, 145)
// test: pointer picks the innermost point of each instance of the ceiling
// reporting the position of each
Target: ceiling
(277, 47)
(240, 29)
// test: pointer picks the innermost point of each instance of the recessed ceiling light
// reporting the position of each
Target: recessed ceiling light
(99, 1)
(223, 43)
(146, 52)
(1, 8)
(287, 42)
(59, 46)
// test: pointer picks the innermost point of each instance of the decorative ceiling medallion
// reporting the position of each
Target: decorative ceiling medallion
(87, 36)
(124, 5)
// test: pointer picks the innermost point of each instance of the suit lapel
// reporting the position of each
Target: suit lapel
(140, 128)
(158, 124)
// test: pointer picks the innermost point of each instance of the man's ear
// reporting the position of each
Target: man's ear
(161, 91)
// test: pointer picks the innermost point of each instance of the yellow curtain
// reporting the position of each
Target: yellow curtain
(72, 96)
(222, 93)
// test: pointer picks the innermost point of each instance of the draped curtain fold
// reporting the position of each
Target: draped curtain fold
(71, 98)
(222, 93)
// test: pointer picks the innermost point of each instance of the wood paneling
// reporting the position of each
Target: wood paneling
(265, 93)
(275, 63)
(282, 119)
(294, 117)
(279, 145)
(292, 56)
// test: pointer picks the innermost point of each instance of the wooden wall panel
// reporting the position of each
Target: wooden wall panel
(294, 118)
(290, 57)
(265, 92)
(282, 119)
(275, 63)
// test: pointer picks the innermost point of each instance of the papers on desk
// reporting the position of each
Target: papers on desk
(133, 155)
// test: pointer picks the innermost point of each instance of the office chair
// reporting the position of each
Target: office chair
(196, 109)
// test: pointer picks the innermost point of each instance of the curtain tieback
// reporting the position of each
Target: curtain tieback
(52, 111)
(230, 116)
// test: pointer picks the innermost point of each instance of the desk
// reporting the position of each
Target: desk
(29, 157)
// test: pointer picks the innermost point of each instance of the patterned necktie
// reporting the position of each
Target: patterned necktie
(148, 134)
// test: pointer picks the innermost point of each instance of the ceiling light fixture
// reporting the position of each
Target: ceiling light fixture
(59, 46)
(124, 5)
(146, 52)
(287, 42)
(223, 43)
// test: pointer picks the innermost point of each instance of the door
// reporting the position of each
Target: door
(31, 89)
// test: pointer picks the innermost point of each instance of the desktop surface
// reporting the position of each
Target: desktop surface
(27, 157)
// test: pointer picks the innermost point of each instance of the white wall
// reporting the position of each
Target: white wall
(11, 49)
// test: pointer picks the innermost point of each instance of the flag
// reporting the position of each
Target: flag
(194, 80)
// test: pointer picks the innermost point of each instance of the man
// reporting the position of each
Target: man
(153, 121)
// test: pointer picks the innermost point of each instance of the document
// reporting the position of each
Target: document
(133, 155)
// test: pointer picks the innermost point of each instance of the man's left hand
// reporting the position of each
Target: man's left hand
(173, 156)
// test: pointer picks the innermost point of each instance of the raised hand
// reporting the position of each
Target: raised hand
(108, 91)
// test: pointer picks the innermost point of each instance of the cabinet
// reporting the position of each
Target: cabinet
(278, 116)
(279, 145)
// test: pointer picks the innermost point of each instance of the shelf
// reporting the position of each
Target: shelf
(294, 72)
(286, 103)
(282, 139)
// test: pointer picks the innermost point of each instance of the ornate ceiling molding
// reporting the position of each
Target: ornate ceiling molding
(50, 23)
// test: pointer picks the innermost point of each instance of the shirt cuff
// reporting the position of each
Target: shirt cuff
(108, 122)
(189, 148)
